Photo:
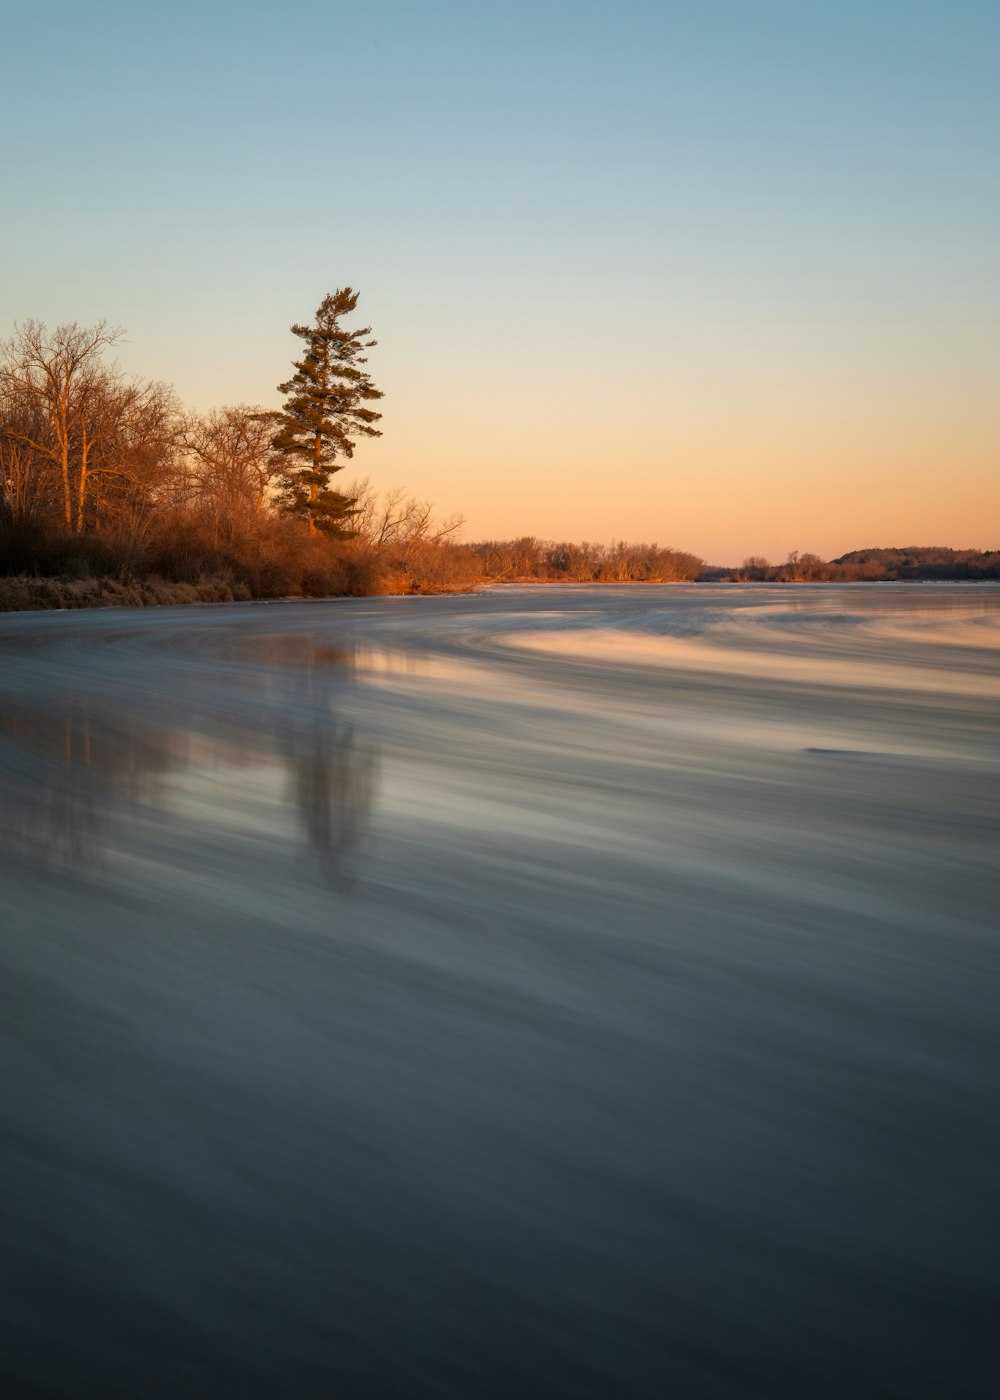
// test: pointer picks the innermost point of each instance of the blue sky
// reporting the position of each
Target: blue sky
(721, 274)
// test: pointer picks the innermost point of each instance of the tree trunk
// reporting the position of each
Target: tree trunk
(81, 497)
(60, 422)
(314, 483)
(67, 490)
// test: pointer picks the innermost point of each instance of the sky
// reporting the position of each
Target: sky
(719, 274)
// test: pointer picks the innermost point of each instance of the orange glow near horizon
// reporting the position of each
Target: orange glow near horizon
(847, 466)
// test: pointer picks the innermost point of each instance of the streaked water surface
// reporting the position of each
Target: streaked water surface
(547, 992)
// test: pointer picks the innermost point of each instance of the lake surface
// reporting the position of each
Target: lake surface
(547, 992)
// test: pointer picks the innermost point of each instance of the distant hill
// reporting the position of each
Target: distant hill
(924, 562)
(913, 563)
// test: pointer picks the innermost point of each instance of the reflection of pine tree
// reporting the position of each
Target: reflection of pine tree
(333, 780)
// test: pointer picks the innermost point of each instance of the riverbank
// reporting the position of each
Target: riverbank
(23, 593)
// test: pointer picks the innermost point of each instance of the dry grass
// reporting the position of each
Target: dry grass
(24, 594)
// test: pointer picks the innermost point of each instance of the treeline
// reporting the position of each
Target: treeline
(528, 560)
(912, 563)
(110, 490)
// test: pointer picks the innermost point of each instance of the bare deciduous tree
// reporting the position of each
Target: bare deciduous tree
(394, 520)
(231, 462)
(755, 568)
(27, 482)
(55, 374)
(79, 414)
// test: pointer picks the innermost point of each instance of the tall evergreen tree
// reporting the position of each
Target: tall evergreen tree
(325, 411)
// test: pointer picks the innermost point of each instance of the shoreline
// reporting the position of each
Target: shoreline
(25, 593)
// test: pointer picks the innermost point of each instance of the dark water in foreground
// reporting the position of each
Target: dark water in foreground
(546, 993)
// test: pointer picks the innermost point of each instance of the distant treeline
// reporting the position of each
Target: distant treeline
(528, 559)
(913, 563)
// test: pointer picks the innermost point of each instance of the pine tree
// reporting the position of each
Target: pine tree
(325, 411)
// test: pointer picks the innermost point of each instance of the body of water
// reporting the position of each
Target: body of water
(545, 992)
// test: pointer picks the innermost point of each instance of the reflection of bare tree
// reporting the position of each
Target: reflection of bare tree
(68, 770)
(72, 770)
